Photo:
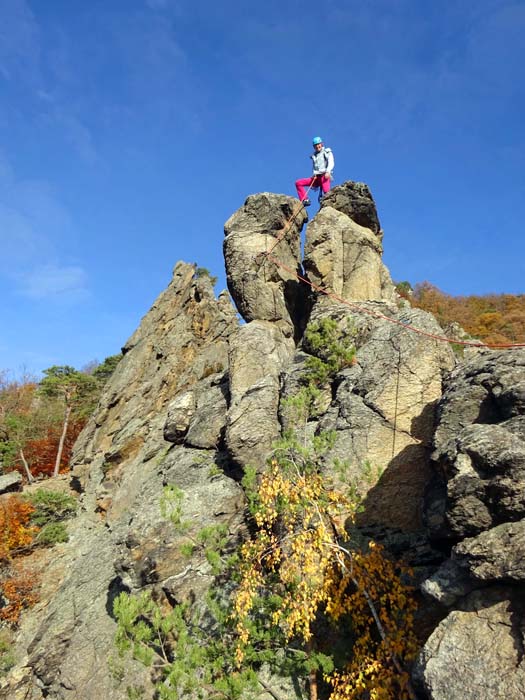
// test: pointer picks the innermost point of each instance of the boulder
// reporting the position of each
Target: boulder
(477, 651)
(344, 258)
(355, 200)
(259, 352)
(197, 418)
(496, 555)
(206, 429)
(180, 413)
(449, 583)
(10, 482)
(262, 290)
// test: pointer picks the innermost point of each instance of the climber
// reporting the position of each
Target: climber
(323, 160)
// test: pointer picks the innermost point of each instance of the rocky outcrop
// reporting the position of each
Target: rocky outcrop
(477, 651)
(272, 301)
(343, 247)
(480, 447)
(476, 502)
(345, 258)
(121, 464)
(259, 352)
(260, 289)
(355, 200)
(10, 482)
(198, 396)
(382, 409)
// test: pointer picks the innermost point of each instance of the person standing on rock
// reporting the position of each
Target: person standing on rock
(323, 160)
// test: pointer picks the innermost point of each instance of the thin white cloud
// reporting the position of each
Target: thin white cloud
(79, 136)
(33, 227)
(19, 240)
(40, 65)
(54, 282)
(31, 219)
(19, 41)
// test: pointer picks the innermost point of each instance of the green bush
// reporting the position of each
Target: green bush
(332, 350)
(51, 534)
(7, 659)
(51, 507)
(201, 272)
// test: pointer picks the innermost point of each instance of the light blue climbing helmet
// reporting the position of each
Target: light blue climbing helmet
(316, 140)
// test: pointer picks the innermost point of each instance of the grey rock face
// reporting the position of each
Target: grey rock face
(197, 418)
(477, 651)
(206, 430)
(120, 540)
(344, 258)
(480, 446)
(10, 482)
(180, 413)
(495, 555)
(259, 352)
(198, 396)
(355, 200)
(382, 408)
(448, 584)
(261, 290)
(487, 389)
(477, 500)
(149, 553)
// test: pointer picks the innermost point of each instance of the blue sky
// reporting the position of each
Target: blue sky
(130, 130)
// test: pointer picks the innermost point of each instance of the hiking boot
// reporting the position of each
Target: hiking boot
(306, 202)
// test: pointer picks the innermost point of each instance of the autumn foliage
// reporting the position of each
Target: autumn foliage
(15, 528)
(17, 592)
(17, 583)
(41, 452)
(300, 568)
(40, 421)
(493, 318)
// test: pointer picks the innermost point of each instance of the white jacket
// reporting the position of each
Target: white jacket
(323, 161)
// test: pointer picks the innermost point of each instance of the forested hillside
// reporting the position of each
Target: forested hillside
(493, 318)
(40, 420)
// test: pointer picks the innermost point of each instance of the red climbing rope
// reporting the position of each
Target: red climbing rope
(289, 222)
(376, 314)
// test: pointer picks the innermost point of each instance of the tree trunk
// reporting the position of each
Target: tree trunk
(62, 440)
(26, 467)
(312, 675)
(313, 685)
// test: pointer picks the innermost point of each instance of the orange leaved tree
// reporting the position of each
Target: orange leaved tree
(77, 393)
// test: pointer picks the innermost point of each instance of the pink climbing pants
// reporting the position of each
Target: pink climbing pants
(316, 181)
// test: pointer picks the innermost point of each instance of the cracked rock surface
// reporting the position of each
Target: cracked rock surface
(345, 258)
(260, 289)
(476, 503)
(382, 408)
(120, 541)
(477, 651)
